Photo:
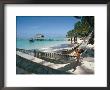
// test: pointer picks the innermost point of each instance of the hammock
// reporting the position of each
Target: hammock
(83, 44)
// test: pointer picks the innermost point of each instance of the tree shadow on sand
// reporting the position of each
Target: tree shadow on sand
(72, 65)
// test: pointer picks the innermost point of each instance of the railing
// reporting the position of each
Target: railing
(47, 55)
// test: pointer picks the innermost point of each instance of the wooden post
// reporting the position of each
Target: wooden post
(47, 55)
(38, 54)
(52, 55)
(41, 54)
(44, 54)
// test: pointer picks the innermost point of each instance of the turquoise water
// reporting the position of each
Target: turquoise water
(26, 44)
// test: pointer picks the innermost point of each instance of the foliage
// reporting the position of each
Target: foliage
(83, 28)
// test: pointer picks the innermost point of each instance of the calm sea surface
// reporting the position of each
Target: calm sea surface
(26, 44)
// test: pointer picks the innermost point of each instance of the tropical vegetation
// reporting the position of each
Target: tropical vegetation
(82, 28)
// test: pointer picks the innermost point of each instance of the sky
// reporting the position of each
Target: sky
(28, 26)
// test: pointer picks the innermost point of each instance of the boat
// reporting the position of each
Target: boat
(38, 37)
(31, 40)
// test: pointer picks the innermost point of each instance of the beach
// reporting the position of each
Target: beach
(87, 64)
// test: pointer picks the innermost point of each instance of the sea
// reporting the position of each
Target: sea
(49, 42)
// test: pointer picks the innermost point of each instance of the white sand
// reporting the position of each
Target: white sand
(87, 67)
(90, 46)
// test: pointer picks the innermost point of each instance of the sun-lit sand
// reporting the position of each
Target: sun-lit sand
(87, 63)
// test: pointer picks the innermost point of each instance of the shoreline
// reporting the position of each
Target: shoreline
(60, 47)
(87, 66)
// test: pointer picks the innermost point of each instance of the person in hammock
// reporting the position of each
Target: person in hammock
(77, 54)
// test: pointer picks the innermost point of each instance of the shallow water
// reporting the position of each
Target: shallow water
(26, 44)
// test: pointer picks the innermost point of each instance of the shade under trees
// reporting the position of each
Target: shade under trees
(83, 28)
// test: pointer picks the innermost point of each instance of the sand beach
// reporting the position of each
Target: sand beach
(87, 61)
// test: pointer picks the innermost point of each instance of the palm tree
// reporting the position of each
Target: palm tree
(71, 34)
(82, 28)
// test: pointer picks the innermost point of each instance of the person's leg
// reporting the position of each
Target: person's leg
(75, 64)
(74, 69)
